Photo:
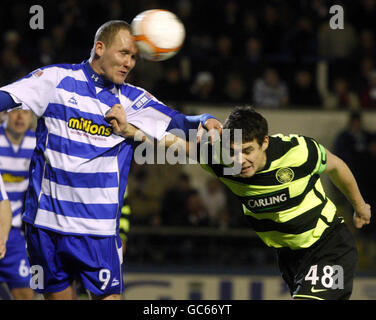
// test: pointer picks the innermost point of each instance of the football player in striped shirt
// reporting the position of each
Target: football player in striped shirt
(285, 203)
(17, 143)
(278, 183)
(79, 168)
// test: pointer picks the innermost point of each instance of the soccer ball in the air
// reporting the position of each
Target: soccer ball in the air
(159, 34)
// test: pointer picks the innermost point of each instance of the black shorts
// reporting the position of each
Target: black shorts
(325, 271)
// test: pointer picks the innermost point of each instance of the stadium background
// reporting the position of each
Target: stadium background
(187, 237)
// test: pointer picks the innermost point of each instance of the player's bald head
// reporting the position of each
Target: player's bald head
(107, 32)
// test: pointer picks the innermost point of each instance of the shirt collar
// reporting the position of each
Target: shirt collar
(97, 79)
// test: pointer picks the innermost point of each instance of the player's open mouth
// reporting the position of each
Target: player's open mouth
(245, 169)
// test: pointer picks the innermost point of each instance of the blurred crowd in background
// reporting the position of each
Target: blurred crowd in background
(274, 54)
(263, 52)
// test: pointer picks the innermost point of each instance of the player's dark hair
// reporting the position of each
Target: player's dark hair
(252, 124)
(107, 32)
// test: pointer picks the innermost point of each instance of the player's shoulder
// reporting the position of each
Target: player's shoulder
(55, 69)
(132, 92)
(63, 66)
(290, 140)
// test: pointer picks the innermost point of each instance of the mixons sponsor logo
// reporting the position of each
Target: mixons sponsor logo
(88, 126)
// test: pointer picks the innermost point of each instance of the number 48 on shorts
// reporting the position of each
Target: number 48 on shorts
(330, 277)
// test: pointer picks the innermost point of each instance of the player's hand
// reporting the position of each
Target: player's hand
(214, 128)
(362, 216)
(3, 248)
(117, 118)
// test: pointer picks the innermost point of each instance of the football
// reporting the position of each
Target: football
(159, 34)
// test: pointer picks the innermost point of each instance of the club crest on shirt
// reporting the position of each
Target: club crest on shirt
(37, 73)
(284, 175)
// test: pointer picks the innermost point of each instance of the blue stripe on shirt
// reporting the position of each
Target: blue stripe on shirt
(81, 180)
(82, 88)
(70, 209)
(79, 149)
(22, 153)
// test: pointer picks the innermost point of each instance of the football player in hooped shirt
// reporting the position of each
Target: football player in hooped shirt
(17, 143)
(79, 169)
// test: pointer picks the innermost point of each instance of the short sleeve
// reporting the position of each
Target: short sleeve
(35, 90)
(316, 156)
(322, 156)
(150, 115)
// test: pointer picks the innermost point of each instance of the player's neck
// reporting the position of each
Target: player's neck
(97, 73)
(263, 162)
(96, 67)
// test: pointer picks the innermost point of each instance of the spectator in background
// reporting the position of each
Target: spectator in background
(223, 57)
(367, 44)
(368, 94)
(342, 97)
(148, 74)
(173, 211)
(235, 88)
(250, 26)
(11, 59)
(202, 89)
(253, 59)
(215, 201)
(172, 87)
(339, 47)
(351, 146)
(303, 92)
(302, 41)
(269, 91)
(195, 211)
(46, 51)
(273, 30)
(366, 67)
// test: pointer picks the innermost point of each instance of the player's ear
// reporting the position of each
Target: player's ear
(100, 47)
(265, 143)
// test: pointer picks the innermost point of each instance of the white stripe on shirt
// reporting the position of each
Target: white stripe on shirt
(103, 227)
(82, 195)
(75, 164)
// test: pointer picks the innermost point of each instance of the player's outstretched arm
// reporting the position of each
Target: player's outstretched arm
(341, 175)
(5, 225)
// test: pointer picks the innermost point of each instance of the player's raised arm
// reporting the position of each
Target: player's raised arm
(116, 116)
(341, 175)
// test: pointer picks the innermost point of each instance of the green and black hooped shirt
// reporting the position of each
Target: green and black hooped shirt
(285, 203)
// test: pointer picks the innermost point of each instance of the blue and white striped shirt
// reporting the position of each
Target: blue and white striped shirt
(79, 169)
(14, 168)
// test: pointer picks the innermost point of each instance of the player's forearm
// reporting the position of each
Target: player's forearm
(5, 219)
(185, 123)
(344, 180)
